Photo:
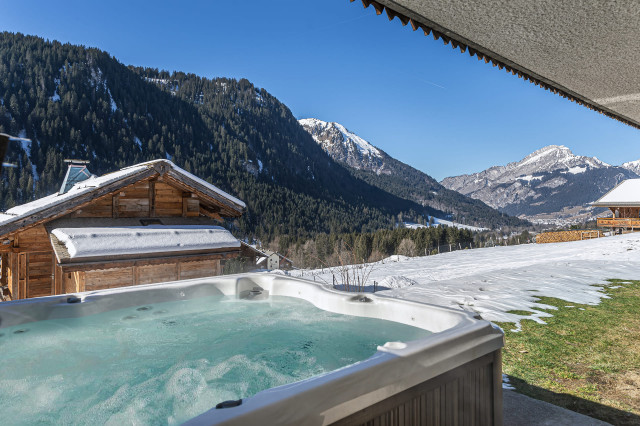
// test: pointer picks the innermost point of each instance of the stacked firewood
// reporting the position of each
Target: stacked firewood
(563, 236)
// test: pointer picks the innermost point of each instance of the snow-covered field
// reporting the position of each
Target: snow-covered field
(493, 281)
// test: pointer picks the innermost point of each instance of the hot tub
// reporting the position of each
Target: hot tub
(452, 376)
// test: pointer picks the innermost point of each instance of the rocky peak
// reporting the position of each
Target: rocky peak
(634, 166)
(551, 182)
(554, 157)
(345, 146)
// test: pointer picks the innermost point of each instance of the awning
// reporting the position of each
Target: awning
(586, 51)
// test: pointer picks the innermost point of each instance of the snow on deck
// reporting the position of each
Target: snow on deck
(115, 241)
(493, 281)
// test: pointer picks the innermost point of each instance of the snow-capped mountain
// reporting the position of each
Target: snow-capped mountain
(345, 146)
(529, 169)
(377, 168)
(551, 183)
(634, 166)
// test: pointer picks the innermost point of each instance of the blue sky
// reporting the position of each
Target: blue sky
(424, 103)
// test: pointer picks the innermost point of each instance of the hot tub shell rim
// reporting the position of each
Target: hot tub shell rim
(461, 338)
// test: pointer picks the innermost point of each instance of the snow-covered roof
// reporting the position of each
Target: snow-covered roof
(76, 190)
(195, 178)
(138, 240)
(4, 217)
(625, 194)
(94, 183)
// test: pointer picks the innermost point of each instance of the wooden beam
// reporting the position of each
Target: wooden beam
(4, 259)
(22, 274)
(115, 205)
(91, 266)
(13, 276)
(161, 167)
(152, 198)
(185, 206)
(136, 275)
(58, 280)
(209, 213)
(81, 282)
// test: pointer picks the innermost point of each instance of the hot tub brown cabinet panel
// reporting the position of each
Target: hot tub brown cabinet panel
(468, 395)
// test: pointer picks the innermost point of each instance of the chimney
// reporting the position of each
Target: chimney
(76, 172)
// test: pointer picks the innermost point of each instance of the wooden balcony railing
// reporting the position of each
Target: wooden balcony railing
(618, 222)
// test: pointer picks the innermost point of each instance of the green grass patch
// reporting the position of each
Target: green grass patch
(518, 312)
(586, 358)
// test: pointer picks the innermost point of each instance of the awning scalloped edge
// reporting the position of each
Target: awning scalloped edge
(459, 42)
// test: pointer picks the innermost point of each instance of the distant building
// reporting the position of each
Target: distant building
(624, 203)
(265, 259)
(275, 260)
(152, 222)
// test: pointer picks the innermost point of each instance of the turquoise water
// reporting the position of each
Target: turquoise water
(168, 362)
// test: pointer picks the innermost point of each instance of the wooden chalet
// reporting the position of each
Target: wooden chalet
(624, 203)
(152, 222)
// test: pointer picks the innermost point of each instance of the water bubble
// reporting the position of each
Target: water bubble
(144, 308)
(130, 317)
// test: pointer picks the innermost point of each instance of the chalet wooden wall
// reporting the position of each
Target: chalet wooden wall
(100, 279)
(30, 264)
(204, 268)
(153, 198)
(631, 212)
(40, 267)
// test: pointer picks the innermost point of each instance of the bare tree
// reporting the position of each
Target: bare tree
(407, 248)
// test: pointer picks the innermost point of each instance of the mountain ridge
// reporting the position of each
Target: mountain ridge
(77, 102)
(551, 183)
(376, 167)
